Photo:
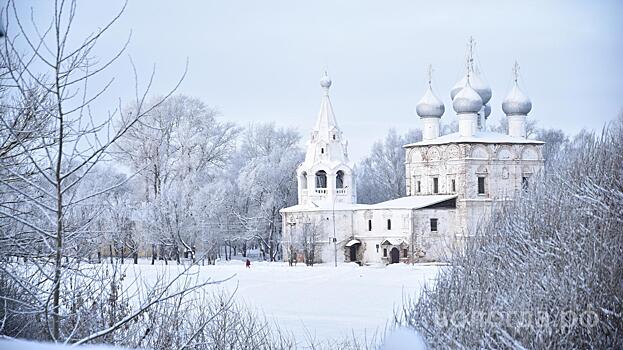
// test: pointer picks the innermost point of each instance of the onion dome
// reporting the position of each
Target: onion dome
(516, 102)
(325, 81)
(487, 110)
(467, 101)
(430, 106)
(477, 84)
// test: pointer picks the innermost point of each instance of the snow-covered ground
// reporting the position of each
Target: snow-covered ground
(322, 302)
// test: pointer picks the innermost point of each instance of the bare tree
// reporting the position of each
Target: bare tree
(52, 76)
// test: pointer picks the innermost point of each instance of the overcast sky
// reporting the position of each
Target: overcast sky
(259, 61)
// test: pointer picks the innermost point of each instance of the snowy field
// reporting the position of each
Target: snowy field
(322, 302)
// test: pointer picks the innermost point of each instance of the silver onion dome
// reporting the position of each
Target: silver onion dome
(477, 84)
(430, 106)
(325, 81)
(516, 102)
(467, 101)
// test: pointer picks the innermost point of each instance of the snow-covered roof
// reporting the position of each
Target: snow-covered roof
(478, 137)
(409, 202)
(393, 241)
(353, 242)
(412, 202)
(323, 205)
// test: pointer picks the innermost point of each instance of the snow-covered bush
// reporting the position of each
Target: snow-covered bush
(546, 270)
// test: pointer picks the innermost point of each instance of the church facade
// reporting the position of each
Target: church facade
(452, 182)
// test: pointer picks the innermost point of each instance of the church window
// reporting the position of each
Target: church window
(419, 186)
(321, 179)
(334, 136)
(385, 252)
(389, 224)
(433, 225)
(453, 185)
(339, 179)
(322, 150)
(435, 185)
(377, 248)
(369, 225)
(481, 185)
(405, 253)
(524, 183)
(304, 180)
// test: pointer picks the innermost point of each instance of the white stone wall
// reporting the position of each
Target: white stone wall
(434, 245)
(401, 228)
(502, 165)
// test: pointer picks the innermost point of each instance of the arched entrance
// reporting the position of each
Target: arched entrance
(394, 255)
(353, 252)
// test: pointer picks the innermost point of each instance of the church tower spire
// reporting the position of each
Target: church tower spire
(326, 174)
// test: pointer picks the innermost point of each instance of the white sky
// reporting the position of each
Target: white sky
(261, 60)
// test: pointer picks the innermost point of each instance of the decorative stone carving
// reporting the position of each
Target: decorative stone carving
(529, 153)
(453, 152)
(479, 152)
(433, 154)
(504, 153)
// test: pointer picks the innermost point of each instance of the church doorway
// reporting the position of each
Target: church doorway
(394, 254)
(353, 253)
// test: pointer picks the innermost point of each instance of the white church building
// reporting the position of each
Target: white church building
(452, 181)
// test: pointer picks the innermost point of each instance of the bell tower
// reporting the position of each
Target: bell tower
(326, 176)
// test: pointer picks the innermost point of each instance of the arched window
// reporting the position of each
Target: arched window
(321, 179)
(389, 224)
(339, 179)
(304, 180)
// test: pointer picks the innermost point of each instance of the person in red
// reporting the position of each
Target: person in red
(248, 263)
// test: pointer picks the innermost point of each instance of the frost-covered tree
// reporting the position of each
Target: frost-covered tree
(266, 184)
(176, 150)
(544, 271)
(381, 175)
(54, 204)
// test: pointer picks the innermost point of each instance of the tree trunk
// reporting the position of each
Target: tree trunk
(111, 253)
(154, 254)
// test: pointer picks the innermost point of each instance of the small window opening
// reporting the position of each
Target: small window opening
(419, 186)
(385, 252)
(322, 150)
(339, 179)
(481, 185)
(453, 185)
(334, 136)
(435, 185)
(369, 225)
(377, 248)
(524, 183)
(405, 253)
(321, 179)
(433, 225)
(389, 224)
